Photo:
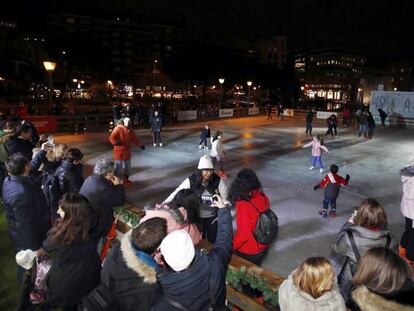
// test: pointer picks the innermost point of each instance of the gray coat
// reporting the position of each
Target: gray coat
(364, 240)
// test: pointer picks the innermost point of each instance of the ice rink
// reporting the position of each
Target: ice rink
(273, 149)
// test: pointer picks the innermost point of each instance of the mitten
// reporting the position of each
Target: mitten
(347, 177)
(316, 187)
(142, 147)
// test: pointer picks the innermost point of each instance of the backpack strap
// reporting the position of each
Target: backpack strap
(388, 243)
(353, 245)
(174, 303)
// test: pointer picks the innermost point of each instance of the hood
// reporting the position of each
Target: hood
(370, 234)
(184, 283)
(369, 301)
(407, 171)
(129, 259)
(298, 294)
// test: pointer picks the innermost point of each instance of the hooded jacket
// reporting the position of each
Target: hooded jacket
(407, 201)
(367, 300)
(122, 138)
(69, 176)
(293, 299)
(133, 282)
(364, 240)
(190, 287)
(316, 148)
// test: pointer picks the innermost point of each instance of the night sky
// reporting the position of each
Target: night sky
(382, 30)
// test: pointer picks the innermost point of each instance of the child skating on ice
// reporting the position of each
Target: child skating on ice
(217, 153)
(332, 183)
(317, 147)
(204, 137)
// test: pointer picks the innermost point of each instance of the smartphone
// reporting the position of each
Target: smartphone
(354, 214)
(50, 140)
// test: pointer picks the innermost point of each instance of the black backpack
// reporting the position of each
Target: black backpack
(267, 226)
(51, 190)
(99, 299)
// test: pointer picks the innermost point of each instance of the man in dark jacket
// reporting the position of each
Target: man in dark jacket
(156, 124)
(309, 120)
(69, 173)
(195, 274)
(129, 270)
(27, 214)
(105, 191)
(21, 142)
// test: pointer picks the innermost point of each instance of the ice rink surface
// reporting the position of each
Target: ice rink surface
(273, 149)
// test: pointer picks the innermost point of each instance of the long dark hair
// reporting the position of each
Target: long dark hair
(241, 188)
(77, 222)
(217, 134)
(188, 199)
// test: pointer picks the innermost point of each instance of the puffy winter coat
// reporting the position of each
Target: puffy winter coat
(104, 196)
(407, 201)
(17, 145)
(75, 271)
(69, 176)
(246, 219)
(332, 183)
(122, 138)
(190, 287)
(26, 211)
(293, 299)
(316, 148)
(156, 124)
(132, 281)
(364, 240)
(217, 150)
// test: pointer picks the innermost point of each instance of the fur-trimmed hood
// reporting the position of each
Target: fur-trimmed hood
(131, 260)
(369, 301)
(407, 171)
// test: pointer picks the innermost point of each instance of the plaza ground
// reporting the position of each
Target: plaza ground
(273, 148)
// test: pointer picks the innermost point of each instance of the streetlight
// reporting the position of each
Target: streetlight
(395, 89)
(49, 66)
(249, 84)
(221, 81)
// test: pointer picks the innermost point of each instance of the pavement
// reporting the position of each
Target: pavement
(273, 148)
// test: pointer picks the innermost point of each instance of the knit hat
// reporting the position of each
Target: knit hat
(178, 250)
(205, 163)
(26, 258)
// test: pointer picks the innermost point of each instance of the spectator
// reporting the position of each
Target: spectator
(407, 209)
(205, 184)
(69, 173)
(367, 229)
(383, 282)
(183, 212)
(54, 157)
(121, 138)
(196, 280)
(312, 286)
(247, 196)
(105, 191)
(26, 211)
(71, 243)
(130, 271)
(21, 142)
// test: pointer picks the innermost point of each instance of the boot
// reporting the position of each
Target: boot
(332, 213)
(127, 182)
(323, 213)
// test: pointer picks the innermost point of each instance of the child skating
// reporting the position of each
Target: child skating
(317, 147)
(332, 183)
(217, 153)
(204, 137)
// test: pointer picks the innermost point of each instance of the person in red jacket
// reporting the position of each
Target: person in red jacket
(121, 138)
(249, 199)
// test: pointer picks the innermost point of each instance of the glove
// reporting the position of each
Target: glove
(347, 177)
(142, 147)
(316, 187)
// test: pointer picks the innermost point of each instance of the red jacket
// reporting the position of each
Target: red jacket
(246, 219)
(122, 138)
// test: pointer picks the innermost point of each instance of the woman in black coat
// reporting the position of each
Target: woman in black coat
(72, 244)
(69, 173)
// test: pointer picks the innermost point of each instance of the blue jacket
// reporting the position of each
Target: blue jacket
(190, 287)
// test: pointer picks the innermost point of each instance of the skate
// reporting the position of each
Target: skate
(311, 168)
(323, 213)
(200, 146)
(155, 145)
(332, 213)
(320, 170)
(127, 182)
(160, 144)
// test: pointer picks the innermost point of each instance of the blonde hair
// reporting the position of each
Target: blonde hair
(314, 276)
(371, 214)
(382, 271)
(56, 153)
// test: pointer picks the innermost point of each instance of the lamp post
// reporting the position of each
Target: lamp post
(221, 81)
(249, 84)
(50, 66)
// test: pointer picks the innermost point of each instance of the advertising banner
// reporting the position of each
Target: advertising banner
(253, 111)
(43, 123)
(325, 114)
(395, 104)
(288, 113)
(187, 115)
(226, 113)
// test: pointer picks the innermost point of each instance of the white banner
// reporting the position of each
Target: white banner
(288, 113)
(253, 111)
(225, 113)
(187, 115)
(325, 114)
(395, 104)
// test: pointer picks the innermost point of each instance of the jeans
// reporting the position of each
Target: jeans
(308, 128)
(156, 137)
(203, 142)
(327, 201)
(208, 228)
(319, 159)
(118, 168)
(362, 129)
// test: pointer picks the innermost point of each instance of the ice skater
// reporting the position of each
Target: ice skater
(217, 152)
(204, 137)
(156, 124)
(332, 183)
(317, 147)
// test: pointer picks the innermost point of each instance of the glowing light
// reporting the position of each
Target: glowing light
(75, 80)
(249, 83)
(49, 66)
(221, 80)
